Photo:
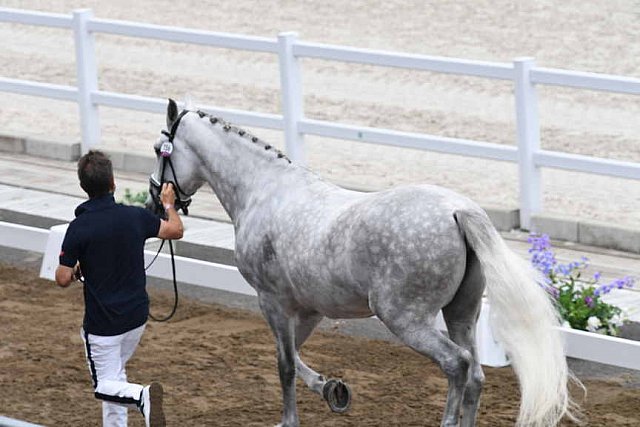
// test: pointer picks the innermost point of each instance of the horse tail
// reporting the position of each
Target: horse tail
(523, 319)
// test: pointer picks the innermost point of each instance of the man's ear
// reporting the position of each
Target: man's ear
(172, 113)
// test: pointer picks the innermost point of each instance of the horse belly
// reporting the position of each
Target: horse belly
(331, 293)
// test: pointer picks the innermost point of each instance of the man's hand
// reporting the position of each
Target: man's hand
(66, 275)
(171, 228)
(167, 195)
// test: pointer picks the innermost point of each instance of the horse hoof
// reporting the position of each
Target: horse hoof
(338, 395)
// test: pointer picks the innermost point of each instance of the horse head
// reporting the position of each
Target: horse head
(177, 162)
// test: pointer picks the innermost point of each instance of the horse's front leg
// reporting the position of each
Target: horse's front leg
(283, 329)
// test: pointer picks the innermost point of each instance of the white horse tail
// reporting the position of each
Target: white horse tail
(523, 320)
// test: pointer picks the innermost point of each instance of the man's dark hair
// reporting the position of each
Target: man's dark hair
(95, 173)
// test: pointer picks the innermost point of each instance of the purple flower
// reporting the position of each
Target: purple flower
(625, 282)
(544, 260)
(589, 301)
(554, 292)
(602, 289)
(539, 243)
(542, 256)
(567, 269)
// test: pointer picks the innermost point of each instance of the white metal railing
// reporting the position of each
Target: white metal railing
(579, 344)
(522, 72)
(12, 422)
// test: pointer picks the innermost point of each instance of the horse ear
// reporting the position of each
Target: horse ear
(172, 113)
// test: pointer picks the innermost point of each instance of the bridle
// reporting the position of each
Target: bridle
(183, 200)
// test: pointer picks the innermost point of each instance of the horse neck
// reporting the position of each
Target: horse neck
(243, 172)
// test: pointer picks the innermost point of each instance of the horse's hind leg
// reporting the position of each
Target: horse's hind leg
(304, 325)
(420, 334)
(461, 316)
(335, 392)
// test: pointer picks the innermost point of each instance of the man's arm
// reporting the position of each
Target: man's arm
(65, 275)
(172, 228)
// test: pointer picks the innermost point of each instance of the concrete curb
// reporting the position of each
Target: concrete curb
(30, 220)
(592, 233)
(57, 150)
(131, 162)
(586, 232)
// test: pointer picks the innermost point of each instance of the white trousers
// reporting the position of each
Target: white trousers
(107, 357)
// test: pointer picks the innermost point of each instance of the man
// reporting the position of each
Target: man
(106, 241)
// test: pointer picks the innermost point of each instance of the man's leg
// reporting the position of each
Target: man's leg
(129, 345)
(104, 357)
(152, 395)
(114, 415)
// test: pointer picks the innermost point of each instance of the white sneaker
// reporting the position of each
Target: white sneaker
(151, 405)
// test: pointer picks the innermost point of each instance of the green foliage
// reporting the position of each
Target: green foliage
(582, 307)
(134, 199)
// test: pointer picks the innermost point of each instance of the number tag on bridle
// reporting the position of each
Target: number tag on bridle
(166, 149)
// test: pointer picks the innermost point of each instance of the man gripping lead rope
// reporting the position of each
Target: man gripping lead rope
(106, 240)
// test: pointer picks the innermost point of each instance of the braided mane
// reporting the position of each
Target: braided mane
(227, 127)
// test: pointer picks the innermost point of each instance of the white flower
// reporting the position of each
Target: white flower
(616, 320)
(593, 323)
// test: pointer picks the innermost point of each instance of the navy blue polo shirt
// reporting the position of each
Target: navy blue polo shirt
(108, 240)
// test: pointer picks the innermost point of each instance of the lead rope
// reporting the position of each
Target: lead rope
(167, 159)
(173, 266)
(175, 283)
(80, 278)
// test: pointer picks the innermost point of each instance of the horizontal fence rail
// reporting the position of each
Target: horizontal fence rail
(602, 348)
(595, 165)
(583, 80)
(409, 140)
(523, 72)
(438, 64)
(23, 237)
(46, 90)
(29, 17)
(159, 105)
(182, 35)
(12, 422)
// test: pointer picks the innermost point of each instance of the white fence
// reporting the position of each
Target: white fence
(579, 344)
(522, 72)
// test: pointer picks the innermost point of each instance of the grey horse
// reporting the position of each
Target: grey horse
(312, 250)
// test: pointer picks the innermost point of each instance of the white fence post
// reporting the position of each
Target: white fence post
(291, 93)
(87, 79)
(530, 189)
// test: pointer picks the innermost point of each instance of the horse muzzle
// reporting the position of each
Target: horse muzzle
(154, 203)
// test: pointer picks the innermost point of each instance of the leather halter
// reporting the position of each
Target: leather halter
(183, 200)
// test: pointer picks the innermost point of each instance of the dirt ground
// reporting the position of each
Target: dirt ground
(218, 369)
